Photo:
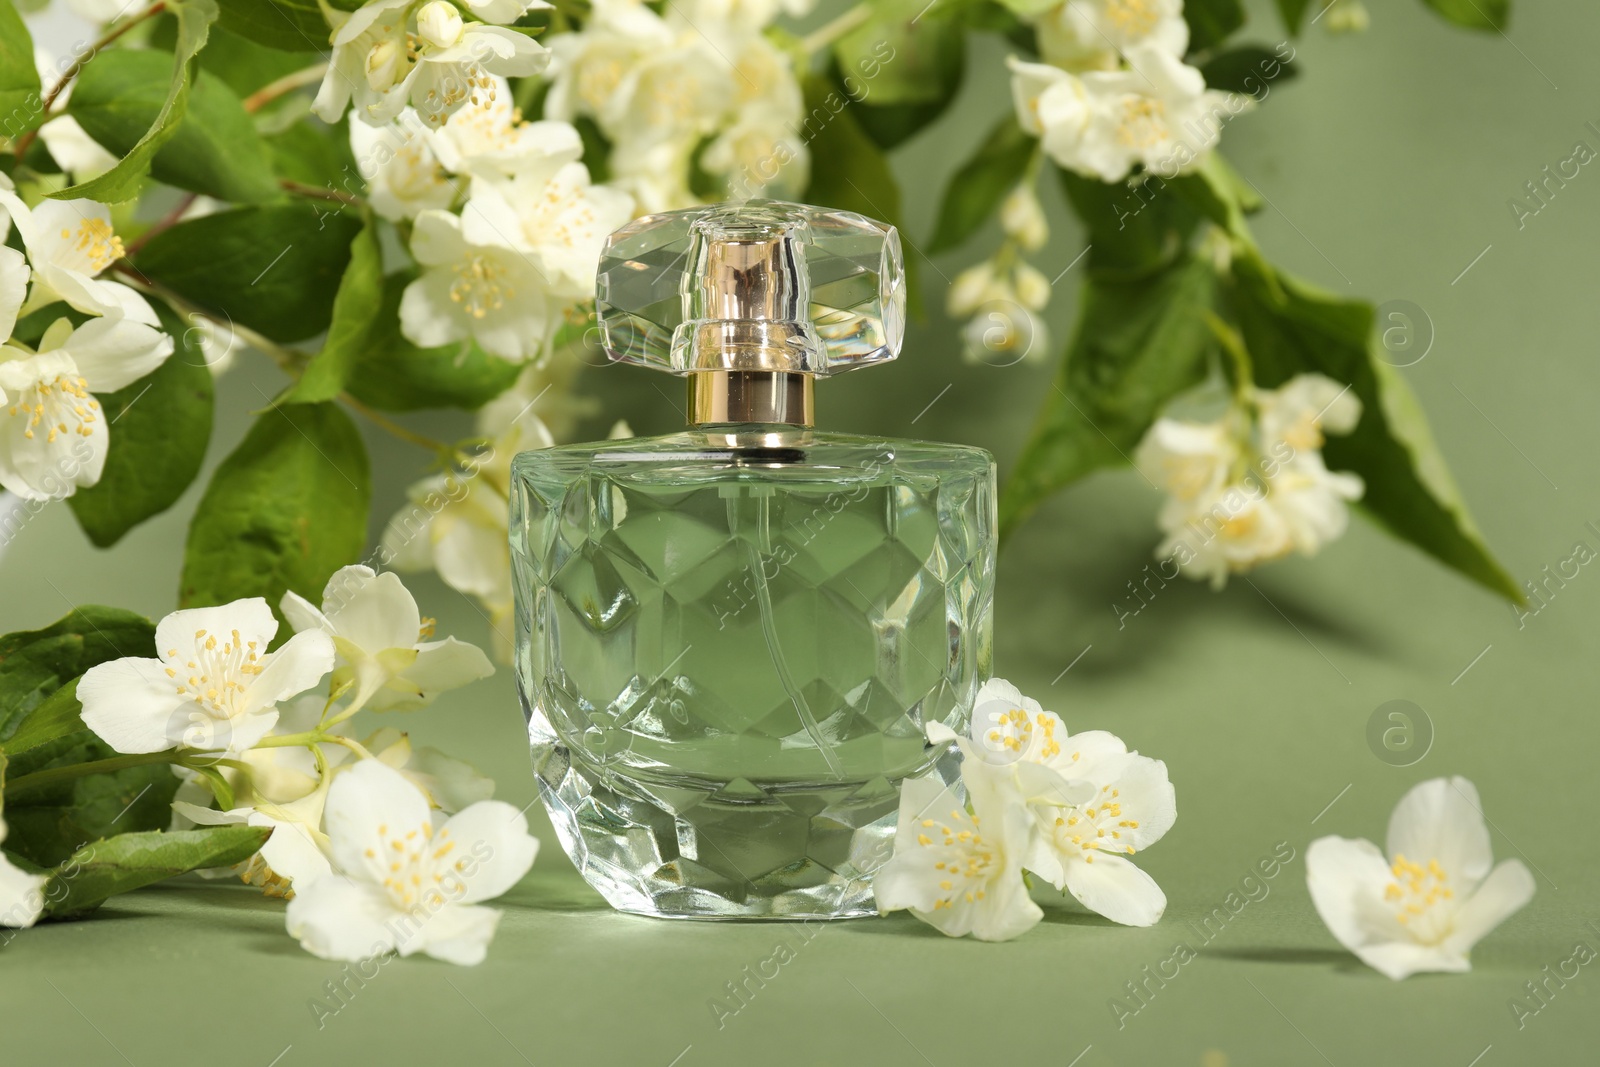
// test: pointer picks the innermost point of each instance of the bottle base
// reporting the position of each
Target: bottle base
(694, 850)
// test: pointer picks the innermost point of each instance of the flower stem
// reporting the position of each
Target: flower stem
(385, 423)
(283, 86)
(166, 222)
(23, 143)
(825, 35)
(313, 193)
(53, 775)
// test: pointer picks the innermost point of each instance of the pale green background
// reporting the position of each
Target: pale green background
(1390, 162)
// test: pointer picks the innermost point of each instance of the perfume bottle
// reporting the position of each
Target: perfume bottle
(730, 639)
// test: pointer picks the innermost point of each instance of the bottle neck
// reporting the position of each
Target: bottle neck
(765, 397)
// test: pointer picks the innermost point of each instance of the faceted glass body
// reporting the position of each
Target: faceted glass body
(729, 641)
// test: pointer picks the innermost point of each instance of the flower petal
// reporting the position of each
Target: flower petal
(338, 919)
(21, 894)
(459, 933)
(302, 614)
(292, 852)
(181, 629)
(1115, 888)
(439, 665)
(302, 662)
(1442, 819)
(130, 703)
(1346, 878)
(14, 274)
(371, 806)
(375, 611)
(111, 353)
(495, 849)
(1508, 887)
(1401, 959)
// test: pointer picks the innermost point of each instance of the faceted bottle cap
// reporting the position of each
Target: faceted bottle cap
(760, 286)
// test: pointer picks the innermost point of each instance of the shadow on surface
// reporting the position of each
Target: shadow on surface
(1333, 957)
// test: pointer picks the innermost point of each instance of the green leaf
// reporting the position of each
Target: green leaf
(287, 25)
(1029, 9)
(1212, 21)
(284, 511)
(1249, 69)
(1474, 14)
(20, 101)
(214, 150)
(243, 63)
(975, 191)
(313, 153)
(904, 53)
(35, 663)
(274, 268)
(1291, 328)
(1135, 228)
(355, 314)
(122, 181)
(1293, 13)
(101, 870)
(49, 821)
(392, 374)
(160, 427)
(1140, 342)
(57, 716)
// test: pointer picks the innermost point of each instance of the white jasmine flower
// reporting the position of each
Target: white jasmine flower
(1313, 502)
(490, 139)
(1004, 333)
(1424, 905)
(475, 284)
(1252, 486)
(1158, 114)
(655, 174)
(659, 85)
(370, 58)
(389, 53)
(53, 435)
(1298, 412)
(401, 166)
(961, 873)
(1227, 531)
(974, 287)
(1190, 460)
(760, 154)
(594, 72)
(21, 893)
(69, 243)
(1022, 217)
(378, 634)
(557, 218)
(213, 685)
(402, 883)
(295, 854)
(1087, 34)
(456, 61)
(1092, 802)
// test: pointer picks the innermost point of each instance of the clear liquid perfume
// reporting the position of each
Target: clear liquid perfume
(729, 639)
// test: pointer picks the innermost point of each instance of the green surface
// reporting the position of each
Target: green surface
(1389, 163)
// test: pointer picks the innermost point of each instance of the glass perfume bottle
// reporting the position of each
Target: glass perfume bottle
(729, 639)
